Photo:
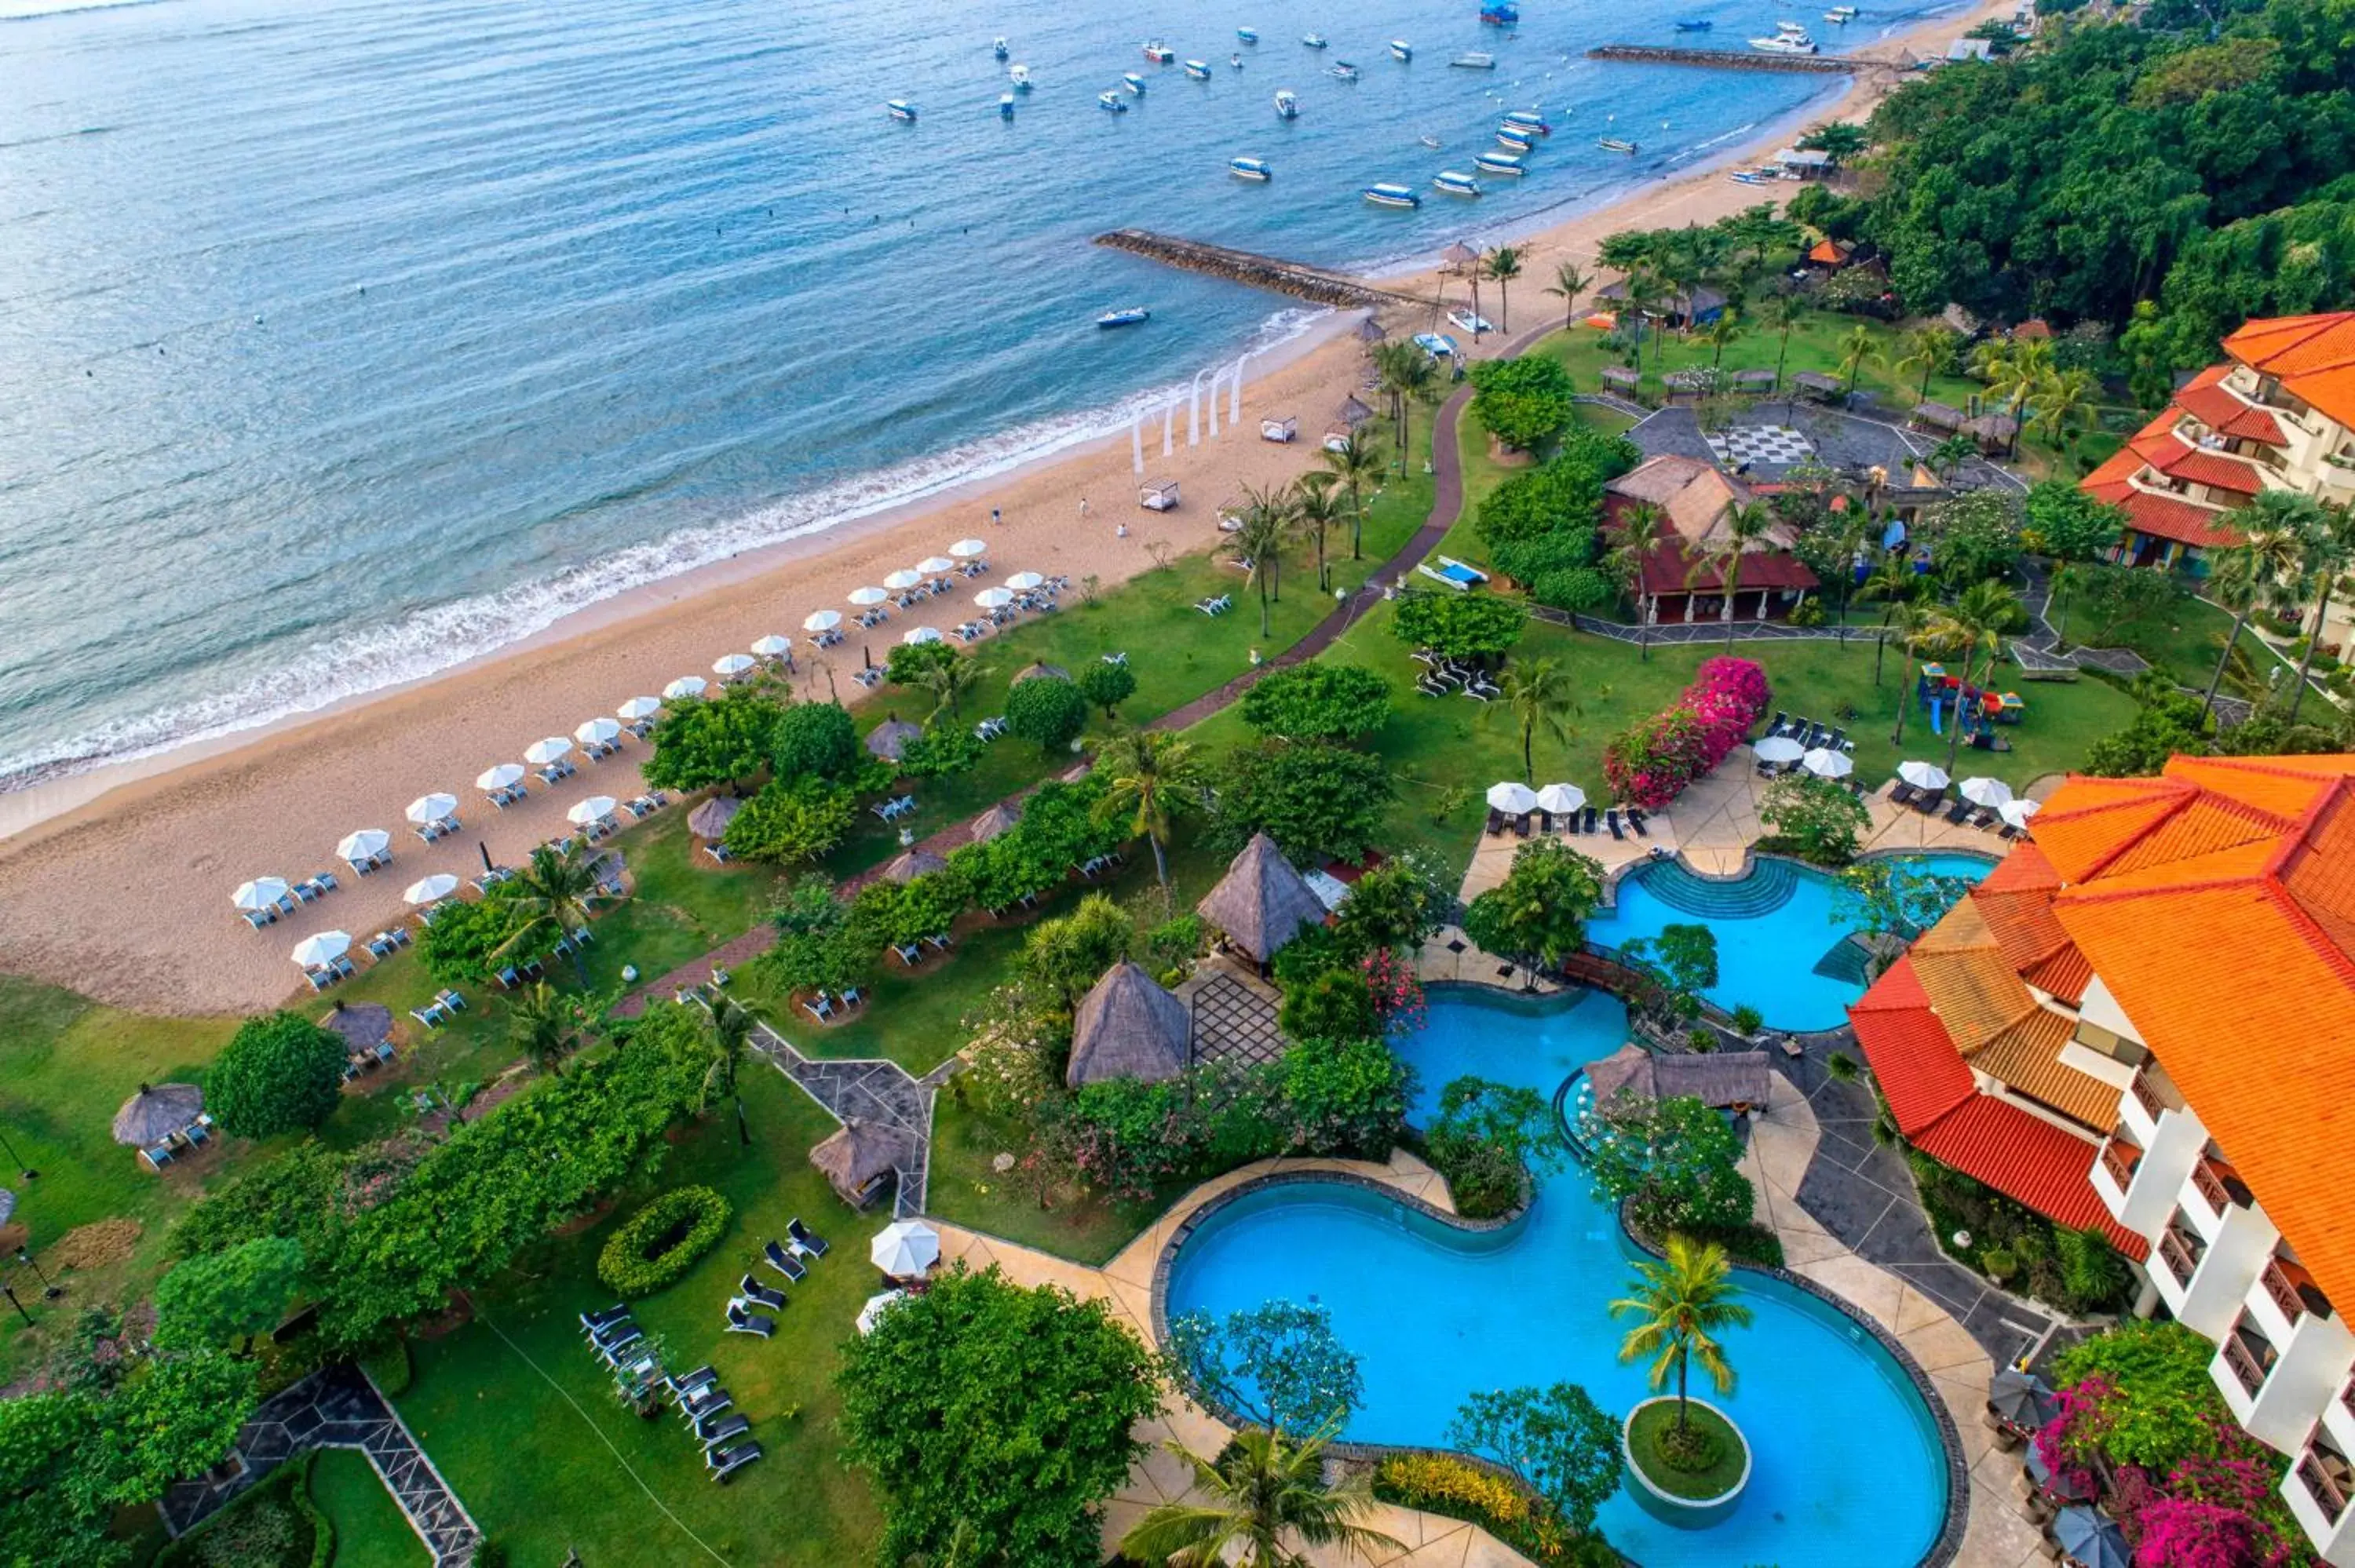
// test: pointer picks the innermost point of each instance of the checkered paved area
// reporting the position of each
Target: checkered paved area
(1776, 445)
(1232, 1022)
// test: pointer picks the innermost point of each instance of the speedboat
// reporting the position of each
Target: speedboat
(1437, 344)
(1287, 107)
(1200, 70)
(899, 109)
(1134, 315)
(1527, 120)
(1401, 51)
(1313, 40)
(1019, 75)
(1236, 61)
(1454, 182)
(1696, 26)
(1513, 139)
(1006, 106)
(1500, 13)
(1250, 169)
(1499, 164)
(1840, 14)
(1247, 35)
(1159, 53)
(1475, 59)
(999, 49)
(1750, 178)
(1387, 195)
(1112, 103)
(1343, 71)
(1785, 43)
(1471, 323)
(1133, 82)
(1615, 144)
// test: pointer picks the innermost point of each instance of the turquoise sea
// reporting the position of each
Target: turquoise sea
(344, 339)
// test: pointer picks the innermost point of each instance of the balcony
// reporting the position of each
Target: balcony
(2289, 1288)
(2119, 1158)
(2247, 1369)
(2219, 1186)
(2147, 1095)
(2328, 1480)
(2181, 1255)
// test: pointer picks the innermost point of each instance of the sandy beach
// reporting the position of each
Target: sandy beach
(116, 883)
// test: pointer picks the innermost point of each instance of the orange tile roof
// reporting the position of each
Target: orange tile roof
(2314, 356)
(2170, 454)
(1920, 1073)
(2026, 1057)
(2205, 399)
(2065, 975)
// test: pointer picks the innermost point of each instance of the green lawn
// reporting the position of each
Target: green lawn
(370, 1530)
(1710, 1481)
(1817, 343)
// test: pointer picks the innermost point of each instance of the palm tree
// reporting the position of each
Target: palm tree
(1682, 1304)
(1317, 506)
(1261, 1492)
(1744, 523)
(949, 681)
(1892, 582)
(731, 1039)
(2328, 535)
(1151, 776)
(1917, 627)
(556, 894)
(1259, 543)
(2269, 556)
(1722, 331)
(1504, 265)
(2015, 371)
(2063, 406)
(1839, 139)
(1568, 283)
(1927, 349)
(1778, 314)
(1355, 461)
(1539, 696)
(1409, 376)
(544, 1027)
(1980, 616)
(1856, 349)
(1632, 539)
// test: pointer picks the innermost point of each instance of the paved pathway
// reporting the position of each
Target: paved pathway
(338, 1408)
(870, 1089)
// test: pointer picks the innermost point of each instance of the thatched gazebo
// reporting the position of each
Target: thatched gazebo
(998, 819)
(1993, 432)
(361, 1025)
(861, 1158)
(1459, 257)
(1353, 413)
(710, 819)
(1721, 1080)
(1370, 331)
(1943, 418)
(1814, 383)
(916, 863)
(156, 1113)
(1263, 901)
(888, 739)
(1128, 1027)
(1040, 673)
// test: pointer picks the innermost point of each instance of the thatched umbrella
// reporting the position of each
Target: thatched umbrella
(1354, 413)
(1370, 331)
(1459, 256)
(858, 1159)
(1128, 1027)
(1043, 672)
(1263, 902)
(916, 863)
(889, 738)
(362, 1025)
(156, 1113)
(999, 818)
(710, 819)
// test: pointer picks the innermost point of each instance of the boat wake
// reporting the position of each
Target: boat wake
(33, 10)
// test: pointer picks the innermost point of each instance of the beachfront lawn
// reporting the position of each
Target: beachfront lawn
(370, 1530)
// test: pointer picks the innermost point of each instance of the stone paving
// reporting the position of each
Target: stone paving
(873, 1089)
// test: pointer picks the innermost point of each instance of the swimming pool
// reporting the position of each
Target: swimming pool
(1849, 1469)
(1777, 947)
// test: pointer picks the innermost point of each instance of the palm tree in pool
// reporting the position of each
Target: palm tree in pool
(1569, 283)
(1741, 527)
(1630, 541)
(1858, 349)
(555, 893)
(1681, 1306)
(1151, 777)
(1356, 462)
(1894, 582)
(1540, 697)
(1263, 1492)
(544, 1026)
(2255, 572)
(1778, 314)
(1318, 506)
(1927, 349)
(732, 1040)
(1259, 542)
(1503, 265)
(1977, 621)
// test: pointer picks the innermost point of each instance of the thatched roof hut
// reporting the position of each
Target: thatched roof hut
(1353, 412)
(362, 1025)
(999, 818)
(916, 863)
(1814, 383)
(1944, 418)
(710, 819)
(1370, 331)
(1128, 1027)
(1040, 673)
(1263, 901)
(861, 1158)
(1718, 1079)
(156, 1112)
(1994, 433)
(1460, 256)
(888, 739)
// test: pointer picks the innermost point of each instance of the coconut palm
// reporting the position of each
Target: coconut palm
(1631, 540)
(732, 1040)
(1892, 582)
(1259, 542)
(949, 681)
(1927, 349)
(1977, 622)
(544, 1026)
(1538, 695)
(1318, 504)
(1356, 462)
(1918, 628)
(1741, 527)
(2063, 404)
(1682, 1304)
(2327, 534)
(1951, 454)
(1409, 376)
(1778, 314)
(1858, 348)
(2272, 550)
(1150, 778)
(1568, 283)
(1263, 1492)
(555, 893)
(1722, 331)
(1503, 265)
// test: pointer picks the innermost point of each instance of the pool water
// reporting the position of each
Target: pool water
(1778, 947)
(1848, 1468)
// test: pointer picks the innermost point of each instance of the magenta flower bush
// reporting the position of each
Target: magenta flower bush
(1653, 761)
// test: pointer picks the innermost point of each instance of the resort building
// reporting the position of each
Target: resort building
(1681, 582)
(2145, 1020)
(2277, 414)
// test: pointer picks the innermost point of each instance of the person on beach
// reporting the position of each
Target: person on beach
(995, 517)
(1121, 532)
(1083, 508)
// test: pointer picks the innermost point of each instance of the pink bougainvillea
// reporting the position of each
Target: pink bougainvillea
(2178, 1532)
(1653, 761)
(1398, 995)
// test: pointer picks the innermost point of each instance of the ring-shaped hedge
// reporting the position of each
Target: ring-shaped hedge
(662, 1241)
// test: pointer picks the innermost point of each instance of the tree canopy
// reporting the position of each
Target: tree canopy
(1047, 712)
(815, 740)
(1314, 799)
(1318, 700)
(278, 1073)
(209, 1300)
(700, 742)
(1461, 625)
(1557, 1440)
(794, 818)
(1524, 403)
(1278, 1365)
(1538, 912)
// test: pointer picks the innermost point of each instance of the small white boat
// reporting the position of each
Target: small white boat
(1401, 51)
(1019, 75)
(1133, 82)
(1134, 315)
(1453, 181)
(1475, 59)
(1250, 169)
(1313, 40)
(1112, 103)
(1287, 106)
(1247, 35)
(1236, 61)
(1528, 120)
(1159, 53)
(1513, 139)
(1785, 43)
(1343, 71)
(1615, 144)
(1465, 321)
(1499, 164)
(1199, 69)
(1430, 142)
(999, 49)
(1006, 106)
(899, 109)
(1838, 19)
(1387, 195)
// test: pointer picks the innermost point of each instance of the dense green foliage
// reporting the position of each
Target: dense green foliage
(1557, 1440)
(815, 740)
(662, 1241)
(1461, 625)
(794, 818)
(1677, 1160)
(1047, 712)
(1277, 1365)
(986, 1412)
(1335, 1003)
(1318, 701)
(1540, 526)
(1816, 819)
(463, 944)
(209, 1301)
(1537, 914)
(1524, 403)
(2166, 1406)
(1107, 683)
(700, 742)
(278, 1073)
(815, 947)
(1317, 799)
(1488, 1140)
(1456, 1489)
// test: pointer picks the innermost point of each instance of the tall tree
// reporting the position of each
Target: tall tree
(1503, 265)
(1918, 628)
(1569, 283)
(1356, 462)
(1630, 541)
(1317, 505)
(1259, 543)
(2326, 539)
(1263, 1492)
(731, 1042)
(1409, 376)
(1858, 349)
(1540, 696)
(545, 1027)
(554, 894)
(1741, 527)
(1151, 777)
(2255, 572)
(1681, 1306)
(1778, 314)
(949, 681)
(1721, 332)
(1927, 349)
(1979, 617)
(1892, 582)
(2067, 399)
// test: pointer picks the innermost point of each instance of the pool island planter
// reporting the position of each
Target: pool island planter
(1685, 1513)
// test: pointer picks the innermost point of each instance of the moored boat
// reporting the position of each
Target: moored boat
(1247, 35)
(1019, 75)
(1287, 106)
(1513, 139)
(1615, 144)
(1785, 43)
(1134, 315)
(1133, 82)
(1159, 53)
(1401, 51)
(1750, 178)
(1006, 106)
(1112, 103)
(1313, 40)
(1236, 61)
(1199, 69)
(1343, 71)
(1388, 195)
(999, 49)
(1475, 59)
(1696, 25)
(899, 109)
(1250, 169)
(1430, 142)
(1528, 120)
(1500, 13)
(1499, 164)
(1454, 182)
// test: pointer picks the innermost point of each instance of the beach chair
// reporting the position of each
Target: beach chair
(820, 1010)
(1636, 821)
(1959, 810)
(909, 954)
(1495, 822)
(753, 1290)
(723, 1463)
(1782, 722)
(939, 942)
(715, 1428)
(1521, 826)
(1570, 822)
(804, 1240)
(785, 1262)
(1902, 793)
(743, 1320)
(604, 1317)
(1928, 802)
(621, 1349)
(718, 853)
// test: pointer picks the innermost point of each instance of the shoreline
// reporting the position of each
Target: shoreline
(184, 825)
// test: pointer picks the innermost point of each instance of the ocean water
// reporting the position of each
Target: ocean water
(344, 339)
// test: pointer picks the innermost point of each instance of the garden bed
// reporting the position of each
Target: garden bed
(1728, 1462)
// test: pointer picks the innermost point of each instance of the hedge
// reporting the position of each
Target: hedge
(683, 1223)
(1455, 1488)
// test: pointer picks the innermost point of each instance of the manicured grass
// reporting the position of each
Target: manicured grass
(1643, 1437)
(370, 1530)
(965, 1187)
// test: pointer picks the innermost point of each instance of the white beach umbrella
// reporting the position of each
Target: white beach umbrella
(540, 753)
(822, 621)
(506, 776)
(966, 549)
(1988, 792)
(596, 731)
(1923, 775)
(772, 646)
(1779, 749)
(1513, 800)
(322, 948)
(364, 844)
(2017, 812)
(865, 597)
(432, 808)
(262, 893)
(1023, 582)
(1825, 763)
(921, 634)
(876, 1306)
(638, 708)
(685, 686)
(905, 1248)
(730, 664)
(934, 565)
(902, 580)
(1561, 799)
(595, 808)
(994, 598)
(432, 889)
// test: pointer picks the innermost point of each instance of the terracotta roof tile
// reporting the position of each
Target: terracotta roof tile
(2027, 1158)
(2026, 1057)
(2087, 822)
(2205, 399)
(2313, 355)
(1913, 1060)
(2064, 975)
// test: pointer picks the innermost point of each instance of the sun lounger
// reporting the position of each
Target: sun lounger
(1612, 817)
(724, 1463)
(717, 1428)
(1958, 810)
(718, 853)
(1928, 802)
(743, 1321)
(805, 1238)
(619, 1350)
(1636, 821)
(1521, 826)
(604, 1317)
(851, 996)
(1495, 822)
(939, 942)
(1902, 793)
(699, 1401)
(820, 1010)
(785, 1262)
(1782, 722)
(754, 1291)
(909, 954)
(614, 1331)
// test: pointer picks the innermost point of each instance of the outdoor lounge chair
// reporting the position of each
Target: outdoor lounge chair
(1521, 826)
(701, 1378)
(1902, 793)
(1782, 721)
(624, 1345)
(741, 1321)
(703, 1401)
(821, 1009)
(753, 1290)
(1928, 802)
(1495, 822)
(717, 1428)
(725, 1462)
(1612, 817)
(596, 1322)
(909, 954)
(1636, 821)
(785, 1263)
(1958, 810)
(804, 1240)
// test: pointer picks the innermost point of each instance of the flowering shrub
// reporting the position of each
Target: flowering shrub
(661, 1242)
(1653, 761)
(1398, 995)
(2178, 1533)
(1438, 1484)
